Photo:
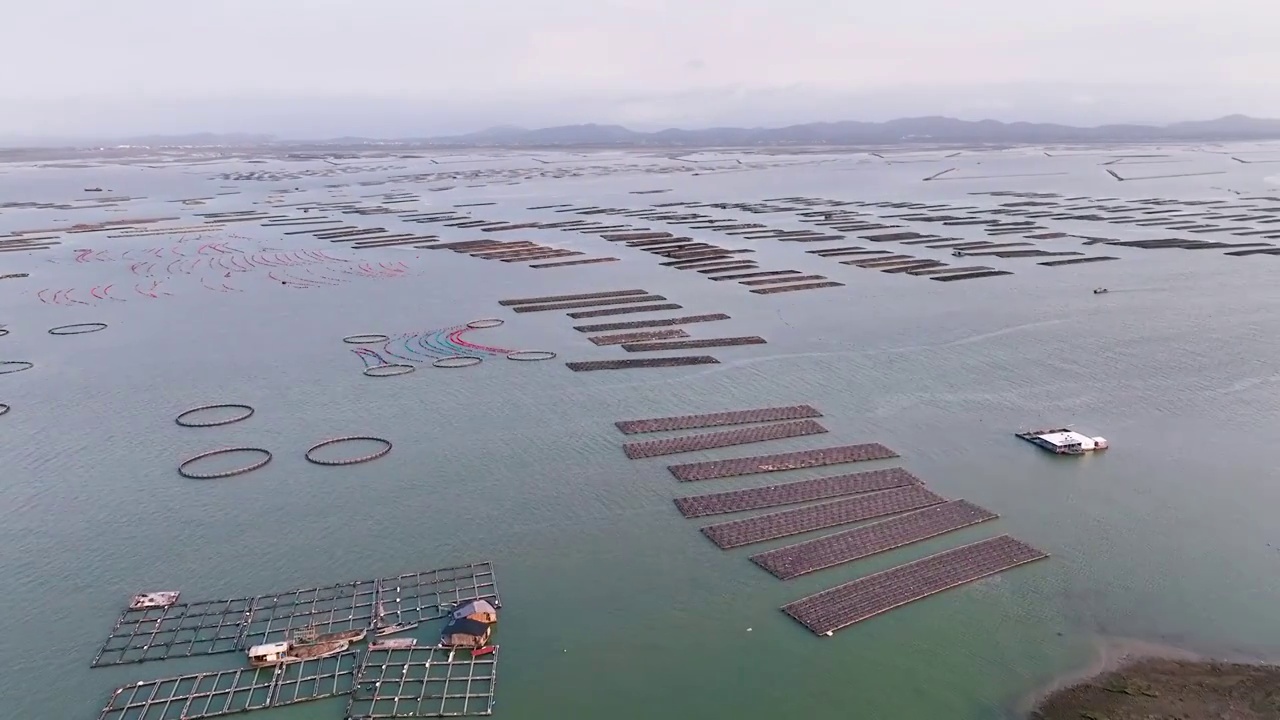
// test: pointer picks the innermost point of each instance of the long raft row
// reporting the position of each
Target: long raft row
(708, 441)
(718, 419)
(714, 469)
(625, 302)
(589, 365)
(772, 526)
(793, 561)
(793, 493)
(866, 597)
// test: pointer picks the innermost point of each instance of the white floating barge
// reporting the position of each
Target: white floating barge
(1064, 441)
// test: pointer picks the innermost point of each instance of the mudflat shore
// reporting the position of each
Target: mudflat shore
(1169, 689)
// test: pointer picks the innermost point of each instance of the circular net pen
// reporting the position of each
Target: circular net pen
(78, 329)
(366, 339)
(388, 370)
(185, 418)
(384, 447)
(8, 367)
(185, 468)
(457, 361)
(531, 355)
(483, 323)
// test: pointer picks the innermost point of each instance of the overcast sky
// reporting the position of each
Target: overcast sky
(306, 67)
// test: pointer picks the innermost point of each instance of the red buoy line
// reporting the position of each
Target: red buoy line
(299, 269)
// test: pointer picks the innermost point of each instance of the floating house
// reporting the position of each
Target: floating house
(466, 633)
(478, 610)
(470, 625)
(1064, 441)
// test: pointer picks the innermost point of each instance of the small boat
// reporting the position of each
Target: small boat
(486, 650)
(393, 644)
(393, 629)
(958, 253)
(154, 599)
(283, 653)
(1099, 291)
(350, 636)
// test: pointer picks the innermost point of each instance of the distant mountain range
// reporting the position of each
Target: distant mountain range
(904, 130)
(920, 130)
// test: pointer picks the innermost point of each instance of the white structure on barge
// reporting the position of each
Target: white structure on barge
(1064, 441)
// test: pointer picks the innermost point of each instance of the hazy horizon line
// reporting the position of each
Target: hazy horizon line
(279, 136)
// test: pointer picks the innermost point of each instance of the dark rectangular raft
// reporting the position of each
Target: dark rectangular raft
(737, 533)
(626, 310)
(795, 560)
(786, 461)
(641, 363)
(1078, 261)
(573, 305)
(793, 288)
(567, 298)
(970, 276)
(660, 322)
(620, 338)
(866, 597)
(794, 492)
(707, 441)
(567, 263)
(693, 344)
(719, 419)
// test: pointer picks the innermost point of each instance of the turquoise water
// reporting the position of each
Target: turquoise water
(615, 606)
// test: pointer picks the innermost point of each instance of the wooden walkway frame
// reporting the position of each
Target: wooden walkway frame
(227, 692)
(850, 603)
(221, 626)
(424, 682)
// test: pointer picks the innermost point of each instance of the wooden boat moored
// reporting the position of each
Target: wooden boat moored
(282, 653)
(393, 629)
(393, 644)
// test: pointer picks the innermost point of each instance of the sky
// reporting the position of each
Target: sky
(317, 68)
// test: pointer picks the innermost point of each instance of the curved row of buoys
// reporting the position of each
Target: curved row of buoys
(443, 348)
(214, 264)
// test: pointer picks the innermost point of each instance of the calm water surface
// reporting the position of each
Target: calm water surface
(615, 606)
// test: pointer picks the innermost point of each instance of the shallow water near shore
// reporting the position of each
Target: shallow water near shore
(614, 606)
